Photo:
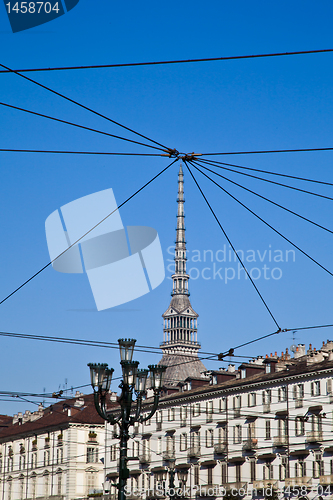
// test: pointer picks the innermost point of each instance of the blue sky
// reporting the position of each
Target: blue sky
(206, 107)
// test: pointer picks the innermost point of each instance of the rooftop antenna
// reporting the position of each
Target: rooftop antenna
(293, 347)
(43, 403)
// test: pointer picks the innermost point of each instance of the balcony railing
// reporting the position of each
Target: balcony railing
(326, 480)
(250, 444)
(264, 484)
(155, 493)
(210, 490)
(168, 454)
(298, 481)
(236, 412)
(144, 458)
(194, 451)
(313, 437)
(267, 408)
(299, 403)
(221, 447)
(236, 486)
(280, 441)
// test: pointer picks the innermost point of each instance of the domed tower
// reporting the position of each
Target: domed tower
(180, 344)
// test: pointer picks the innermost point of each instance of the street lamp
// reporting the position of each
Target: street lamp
(134, 380)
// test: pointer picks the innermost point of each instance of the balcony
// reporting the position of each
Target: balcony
(236, 486)
(314, 437)
(221, 447)
(210, 490)
(144, 458)
(250, 444)
(267, 408)
(264, 484)
(280, 441)
(326, 480)
(168, 455)
(155, 493)
(298, 481)
(194, 451)
(299, 403)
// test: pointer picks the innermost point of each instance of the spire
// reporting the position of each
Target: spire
(180, 345)
(180, 278)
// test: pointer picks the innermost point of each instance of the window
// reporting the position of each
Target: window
(237, 402)
(183, 441)
(223, 404)
(329, 386)
(34, 460)
(22, 462)
(223, 434)
(253, 469)
(196, 475)
(183, 415)
(21, 487)
(92, 455)
(300, 468)
(195, 439)
(135, 448)
(224, 473)
(251, 430)
(315, 388)
(196, 410)
(170, 444)
(46, 485)
(60, 455)
(209, 439)
(237, 434)
(238, 473)
(210, 475)
(251, 399)
(209, 411)
(90, 478)
(159, 416)
(267, 472)
(282, 393)
(299, 426)
(59, 483)
(34, 481)
(171, 414)
(267, 397)
(268, 429)
(46, 458)
(113, 451)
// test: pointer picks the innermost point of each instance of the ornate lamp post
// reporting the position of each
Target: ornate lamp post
(134, 381)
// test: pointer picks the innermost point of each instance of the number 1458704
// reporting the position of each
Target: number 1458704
(32, 7)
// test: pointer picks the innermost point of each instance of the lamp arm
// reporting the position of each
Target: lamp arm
(100, 409)
(155, 405)
(110, 418)
(136, 417)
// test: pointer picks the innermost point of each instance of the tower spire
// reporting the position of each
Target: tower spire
(180, 345)
(180, 278)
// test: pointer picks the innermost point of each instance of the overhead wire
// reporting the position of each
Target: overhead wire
(267, 151)
(175, 61)
(261, 196)
(274, 182)
(235, 252)
(265, 222)
(79, 239)
(73, 101)
(66, 122)
(3, 150)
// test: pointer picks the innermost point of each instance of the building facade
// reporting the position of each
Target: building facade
(258, 430)
(57, 452)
